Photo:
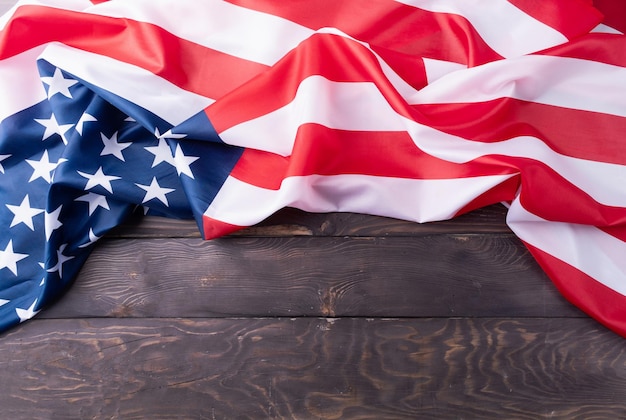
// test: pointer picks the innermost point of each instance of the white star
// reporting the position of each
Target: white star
(112, 147)
(82, 120)
(95, 201)
(130, 119)
(24, 213)
(92, 239)
(26, 314)
(9, 259)
(51, 222)
(168, 135)
(43, 167)
(162, 153)
(59, 84)
(61, 259)
(43, 280)
(183, 162)
(53, 127)
(99, 178)
(154, 190)
(4, 302)
(3, 157)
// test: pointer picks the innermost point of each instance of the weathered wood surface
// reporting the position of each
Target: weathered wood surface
(430, 276)
(313, 368)
(296, 222)
(346, 265)
(176, 327)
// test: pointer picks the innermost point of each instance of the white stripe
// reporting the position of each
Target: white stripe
(403, 88)
(560, 81)
(604, 182)
(586, 248)
(351, 106)
(605, 29)
(361, 107)
(218, 25)
(436, 69)
(75, 5)
(242, 204)
(133, 83)
(20, 84)
(505, 28)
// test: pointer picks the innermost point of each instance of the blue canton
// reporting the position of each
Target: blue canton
(76, 165)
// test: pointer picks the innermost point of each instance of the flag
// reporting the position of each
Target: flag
(226, 111)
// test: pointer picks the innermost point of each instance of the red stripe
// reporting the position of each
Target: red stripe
(334, 57)
(565, 130)
(323, 151)
(618, 231)
(188, 65)
(572, 18)
(213, 228)
(409, 67)
(384, 23)
(346, 60)
(262, 169)
(550, 196)
(593, 297)
(600, 47)
(505, 191)
(320, 150)
(614, 13)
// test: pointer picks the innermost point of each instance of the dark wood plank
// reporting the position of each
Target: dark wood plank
(430, 276)
(289, 222)
(313, 368)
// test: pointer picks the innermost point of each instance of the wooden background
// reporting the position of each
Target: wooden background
(314, 316)
(309, 316)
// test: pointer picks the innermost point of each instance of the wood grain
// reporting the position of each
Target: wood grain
(313, 368)
(293, 222)
(430, 276)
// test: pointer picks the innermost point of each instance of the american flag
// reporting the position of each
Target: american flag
(226, 111)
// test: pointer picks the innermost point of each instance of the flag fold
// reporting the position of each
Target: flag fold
(227, 111)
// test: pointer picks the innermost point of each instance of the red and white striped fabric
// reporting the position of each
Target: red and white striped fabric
(414, 109)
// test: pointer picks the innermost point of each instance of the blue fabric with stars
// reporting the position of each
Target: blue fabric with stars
(76, 165)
